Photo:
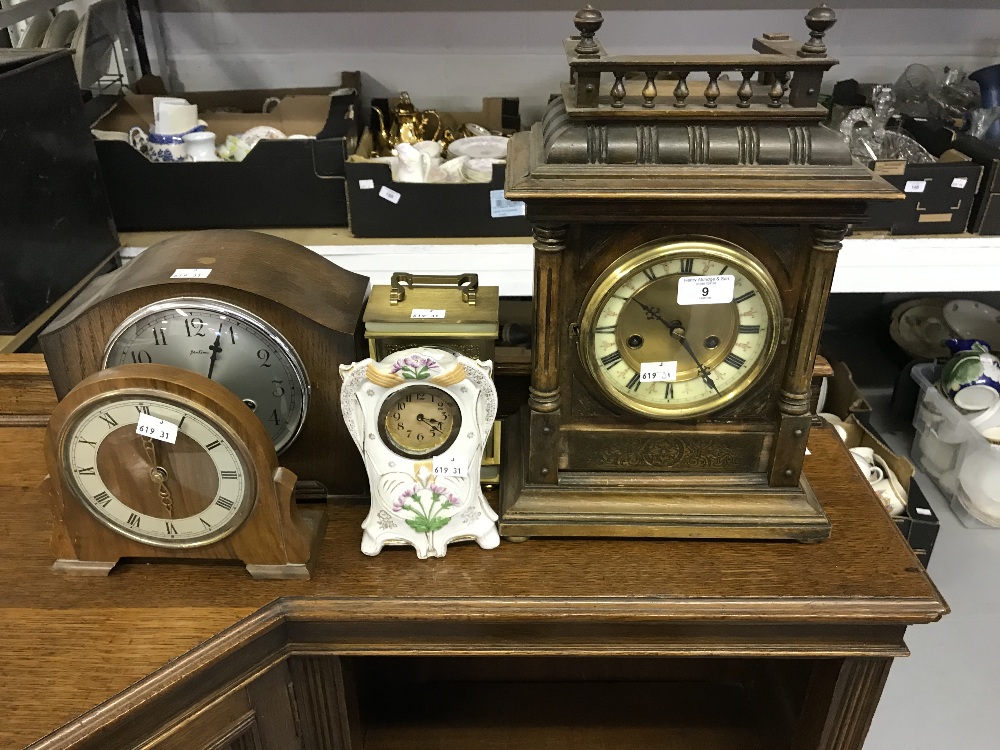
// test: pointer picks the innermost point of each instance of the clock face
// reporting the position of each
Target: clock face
(419, 421)
(654, 347)
(186, 494)
(227, 344)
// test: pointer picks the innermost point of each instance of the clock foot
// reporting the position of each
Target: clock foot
(84, 567)
(315, 519)
(515, 539)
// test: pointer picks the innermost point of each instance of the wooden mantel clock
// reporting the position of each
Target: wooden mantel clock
(686, 233)
(267, 318)
(152, 461)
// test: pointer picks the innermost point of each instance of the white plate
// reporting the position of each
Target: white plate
(61, 31)
(914, 330)
(37, 27)
(974, 320)
(479, 147)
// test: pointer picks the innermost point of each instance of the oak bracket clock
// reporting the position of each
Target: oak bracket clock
(686, 228)
(269, 319)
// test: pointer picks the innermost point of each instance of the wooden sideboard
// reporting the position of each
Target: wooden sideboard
(550, 643)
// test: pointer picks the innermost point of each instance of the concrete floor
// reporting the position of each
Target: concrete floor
(946, 695)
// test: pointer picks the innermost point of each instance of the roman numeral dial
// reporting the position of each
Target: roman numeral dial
(155, 492)
(649, 349)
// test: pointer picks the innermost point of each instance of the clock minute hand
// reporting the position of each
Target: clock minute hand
(677, 331)
(432, 423)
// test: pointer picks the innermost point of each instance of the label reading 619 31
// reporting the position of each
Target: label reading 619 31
(158, 429)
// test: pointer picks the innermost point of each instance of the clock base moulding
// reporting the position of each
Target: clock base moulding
(737, 506)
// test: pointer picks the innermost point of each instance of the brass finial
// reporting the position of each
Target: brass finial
(819, 20)
(587, 22)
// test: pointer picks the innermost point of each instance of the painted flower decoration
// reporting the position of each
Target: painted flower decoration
(416, 367)
(426, 502)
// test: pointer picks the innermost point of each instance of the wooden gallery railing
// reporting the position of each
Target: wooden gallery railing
(784, 65)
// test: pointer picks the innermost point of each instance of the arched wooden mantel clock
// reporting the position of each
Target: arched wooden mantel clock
(265, 317)
(686, 233)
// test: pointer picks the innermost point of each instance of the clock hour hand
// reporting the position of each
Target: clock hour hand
(159, 476)
(677, 331)
(432, 423)
(216, 349)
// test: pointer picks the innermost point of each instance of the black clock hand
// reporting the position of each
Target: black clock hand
(216, 350)
(677, 331)
(432, 423)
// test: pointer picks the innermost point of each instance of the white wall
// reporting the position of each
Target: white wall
(451, 59)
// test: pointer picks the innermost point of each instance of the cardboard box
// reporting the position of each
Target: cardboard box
(843, 397)
(288, 183)
(380, 207)
(939, 196)
(936, 137)
(918, 524)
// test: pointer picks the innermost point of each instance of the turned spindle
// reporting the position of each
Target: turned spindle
(712, 90)
(649, 91)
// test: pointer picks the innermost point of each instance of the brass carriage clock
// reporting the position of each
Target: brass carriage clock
(686, 233)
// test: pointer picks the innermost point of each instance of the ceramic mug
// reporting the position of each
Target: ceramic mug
(971, 378)
(158, 147)
(200, 146)
(865, 459)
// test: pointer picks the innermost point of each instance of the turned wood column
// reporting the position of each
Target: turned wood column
(543, 394)
(793, 403)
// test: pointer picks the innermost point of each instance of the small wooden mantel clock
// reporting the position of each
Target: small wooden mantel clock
(684, 250)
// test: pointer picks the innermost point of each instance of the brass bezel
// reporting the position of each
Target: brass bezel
(658, 251)
(216, 420)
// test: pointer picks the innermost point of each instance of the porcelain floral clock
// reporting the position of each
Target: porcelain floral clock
(421, 418)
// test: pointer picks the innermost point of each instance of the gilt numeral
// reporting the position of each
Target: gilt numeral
(610, 360)
(734, 360)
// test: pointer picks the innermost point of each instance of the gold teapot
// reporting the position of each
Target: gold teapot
(407, 124)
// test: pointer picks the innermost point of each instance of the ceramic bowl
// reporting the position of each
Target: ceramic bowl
(918, 327)
(973, 320)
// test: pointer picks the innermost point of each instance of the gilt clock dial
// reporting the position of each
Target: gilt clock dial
(187, 493)
(670, 353)
(228, 345)
(420, 421)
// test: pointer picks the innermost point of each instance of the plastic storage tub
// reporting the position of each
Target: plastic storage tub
(949, 448)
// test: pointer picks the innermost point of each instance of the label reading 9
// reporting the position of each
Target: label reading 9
(705, 290)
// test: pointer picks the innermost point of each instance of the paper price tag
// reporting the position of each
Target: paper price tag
(705, 290)
(191, 273)
(158, 429)
(915, 186)
(366, 184)
(448, 466)
(652, 372)
(958, 182)
(389, 194)
(924, 511)
(422, 313)
(501, 207)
